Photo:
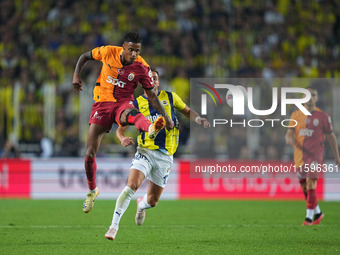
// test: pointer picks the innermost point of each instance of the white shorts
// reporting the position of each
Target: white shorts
(154, 164)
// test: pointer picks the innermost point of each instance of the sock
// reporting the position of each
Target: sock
(309, 215)
(311, 203)
(141, 122)
(142, 205)
(91, 169)
(317, 210)
(122, 204)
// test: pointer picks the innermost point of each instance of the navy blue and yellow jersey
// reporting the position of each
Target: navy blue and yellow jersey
(166, 140)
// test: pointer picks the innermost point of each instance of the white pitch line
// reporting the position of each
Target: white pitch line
(162, 226)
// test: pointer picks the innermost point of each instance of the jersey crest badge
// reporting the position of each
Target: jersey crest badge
(131, 76)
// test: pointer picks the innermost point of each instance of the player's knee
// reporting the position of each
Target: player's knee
(130, 116)
(133, 186)
(90, 152)
(311, 183)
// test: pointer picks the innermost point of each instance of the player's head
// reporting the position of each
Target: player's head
(132, 44)
(155, 76)
(314, 97)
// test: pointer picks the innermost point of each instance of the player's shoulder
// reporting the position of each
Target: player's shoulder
(297, 113)
(114, 49)
(141, 98)
(164, 93)
(109, 49)
(141, 63)
(321, 113)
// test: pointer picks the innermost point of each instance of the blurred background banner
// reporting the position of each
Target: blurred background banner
(65, 179)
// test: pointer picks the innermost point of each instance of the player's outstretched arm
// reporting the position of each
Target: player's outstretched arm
(79, 67)
(125, 141)
(289, 137)
(159, 108)
(194, 116)
(331, 138)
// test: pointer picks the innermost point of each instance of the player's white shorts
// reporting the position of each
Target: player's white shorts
(154, 164)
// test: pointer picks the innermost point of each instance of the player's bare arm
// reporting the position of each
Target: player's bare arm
(125, 141)
(152, 97)
(289, 137)
(194, 116)
(79, 67)
(331, 138)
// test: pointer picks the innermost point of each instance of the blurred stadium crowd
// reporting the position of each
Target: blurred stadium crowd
(41, 40)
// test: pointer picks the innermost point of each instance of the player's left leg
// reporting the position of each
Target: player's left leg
(318, 215)
(149, 200)
(135, 179)
(312, 203)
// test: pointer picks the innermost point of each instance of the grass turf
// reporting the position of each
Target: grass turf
(173, 227)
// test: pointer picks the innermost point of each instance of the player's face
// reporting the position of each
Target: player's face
(131, 52)
(156, 81)
(314, 97)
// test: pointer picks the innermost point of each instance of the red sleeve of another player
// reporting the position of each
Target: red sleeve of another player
(147, 79)
(327, 124)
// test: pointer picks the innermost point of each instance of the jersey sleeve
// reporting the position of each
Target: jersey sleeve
(147, 80)
(328, 128)
(99, 52)
(178, 103)
(292, 120)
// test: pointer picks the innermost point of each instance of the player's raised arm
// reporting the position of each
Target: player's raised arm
(154, 101)
(331, 138)
(194, 116)
(79, 67)
(125, 141)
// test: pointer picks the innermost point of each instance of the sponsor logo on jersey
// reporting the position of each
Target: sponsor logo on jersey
(153, 118)
(115, 82)
(306, 132)
(131, 76)
(96, 116)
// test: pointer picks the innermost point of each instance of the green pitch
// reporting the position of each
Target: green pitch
(173, 227)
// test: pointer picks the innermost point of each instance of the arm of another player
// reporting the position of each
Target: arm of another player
(289, 137)
(152, 97)
(79, 67)
(125, 141)
(331, 138)
(194, 116)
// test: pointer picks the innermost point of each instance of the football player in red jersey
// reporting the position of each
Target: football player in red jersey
(123, 69)
(310, 133)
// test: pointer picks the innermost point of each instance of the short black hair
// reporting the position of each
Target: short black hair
(154, 69)
(133, 37)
